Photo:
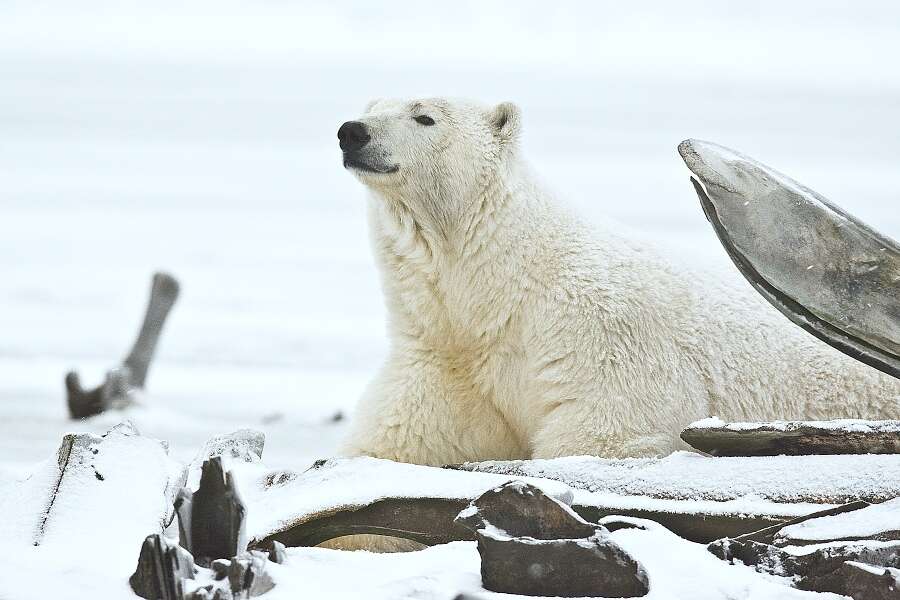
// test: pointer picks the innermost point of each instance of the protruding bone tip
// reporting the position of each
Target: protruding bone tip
(165, 283)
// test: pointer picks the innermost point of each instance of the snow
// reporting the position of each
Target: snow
(688, 476)
(200, 139)
(849, 425)
(862, 523)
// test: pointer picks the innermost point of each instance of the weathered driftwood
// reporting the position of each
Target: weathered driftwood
(212, 518)
(827, 271)
(794, 437)
(162, 567)
(868, 582)
(817, 571)
(534, 545)
(117, 389)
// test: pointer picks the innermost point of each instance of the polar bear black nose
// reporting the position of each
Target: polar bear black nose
(353, 136)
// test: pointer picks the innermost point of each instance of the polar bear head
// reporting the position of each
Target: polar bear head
(434, 155)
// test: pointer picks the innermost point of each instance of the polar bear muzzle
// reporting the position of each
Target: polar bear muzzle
(354, 137)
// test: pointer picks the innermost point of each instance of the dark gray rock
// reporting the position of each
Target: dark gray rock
(534, 545)
(520, 509)
(593, 566)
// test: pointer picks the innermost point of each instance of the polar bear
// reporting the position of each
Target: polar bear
(516, 331)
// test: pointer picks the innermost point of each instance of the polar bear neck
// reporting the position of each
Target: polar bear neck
(461, 285)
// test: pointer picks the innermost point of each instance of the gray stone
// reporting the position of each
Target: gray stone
(520, 509)
(593, 566)
(534, 545)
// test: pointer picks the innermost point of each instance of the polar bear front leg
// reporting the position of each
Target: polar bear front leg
(582, 427)
(417, 411)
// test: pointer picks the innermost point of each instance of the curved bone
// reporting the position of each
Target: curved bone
(163, 293)
(115, 391)
(827, 271)
(430, 521)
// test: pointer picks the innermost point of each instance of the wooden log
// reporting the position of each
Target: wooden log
(794, 438)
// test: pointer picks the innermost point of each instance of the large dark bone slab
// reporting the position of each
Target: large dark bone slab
(116, 390)
(211, 520)
(824, 269)
(534, 545)
(794, 437)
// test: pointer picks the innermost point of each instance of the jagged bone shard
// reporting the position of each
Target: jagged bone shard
(827, 271)
(115, 391)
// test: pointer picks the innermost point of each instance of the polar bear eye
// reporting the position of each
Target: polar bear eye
(424, 120)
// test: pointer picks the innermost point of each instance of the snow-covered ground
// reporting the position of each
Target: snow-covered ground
(200, 138)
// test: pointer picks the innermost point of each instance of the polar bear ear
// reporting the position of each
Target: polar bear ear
(506, 120)
(371, 104)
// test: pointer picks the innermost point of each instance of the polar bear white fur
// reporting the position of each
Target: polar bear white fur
(518, 332)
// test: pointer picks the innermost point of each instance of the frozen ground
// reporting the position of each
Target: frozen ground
(201, 140)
